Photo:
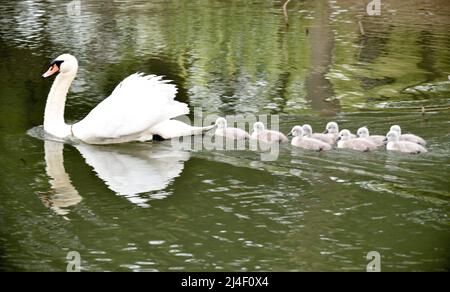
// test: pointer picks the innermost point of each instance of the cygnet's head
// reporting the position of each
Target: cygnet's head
(392, 136)
(297, 131)
(396, 128)
(258, 127)
(65, 63)
(331, 128)
(344, 135)
(363, 132)
(221, 123)
(307, 130)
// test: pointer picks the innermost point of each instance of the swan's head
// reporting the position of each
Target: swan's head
(396, 128)
(344, 135)
(331, 128)
(221, 123)
(297, 131)
(363, 132)
(258, 127)
(392, 136)
(64, 64)
(307, 130)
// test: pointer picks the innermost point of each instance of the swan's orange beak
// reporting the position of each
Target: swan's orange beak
(52, 70)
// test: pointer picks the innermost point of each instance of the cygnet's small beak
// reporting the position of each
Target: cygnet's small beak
(385, 140)
(290, 134)
(326, 131)
(338, 139)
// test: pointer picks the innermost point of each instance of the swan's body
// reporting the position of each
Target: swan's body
(376, 139)
(327, 138)
(394, 144)
(305, 142)
(346, 141)
(138, 108)
(268, 136)
(223, 130)
(408, 137)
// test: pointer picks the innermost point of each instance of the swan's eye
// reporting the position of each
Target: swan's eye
(56, 63)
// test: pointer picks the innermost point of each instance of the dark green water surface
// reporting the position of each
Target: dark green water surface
(150, 207)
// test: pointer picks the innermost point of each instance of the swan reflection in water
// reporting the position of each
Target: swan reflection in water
(64, 194)
(128, 170)
(132, 169)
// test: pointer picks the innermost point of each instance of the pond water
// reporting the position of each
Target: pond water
(152, 207)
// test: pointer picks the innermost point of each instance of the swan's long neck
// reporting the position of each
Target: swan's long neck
(54, 109)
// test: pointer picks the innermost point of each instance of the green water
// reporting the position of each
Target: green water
(151, 207)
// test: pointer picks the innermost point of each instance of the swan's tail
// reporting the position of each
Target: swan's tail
(200, 130)
(173, 129)
(176, 109)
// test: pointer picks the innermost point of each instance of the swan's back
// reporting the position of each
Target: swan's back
(378, 140)
(413, 138)
(405, 147)
(270, 136)
(232, 133)
(327, 138)
(136, 104)
(310, 144)
(359, 144)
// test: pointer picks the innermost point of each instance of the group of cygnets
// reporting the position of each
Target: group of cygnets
(304, 137)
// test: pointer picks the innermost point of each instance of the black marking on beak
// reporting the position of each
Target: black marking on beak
(57, 63)
(338, 139)
(290, 134)
(326, 131)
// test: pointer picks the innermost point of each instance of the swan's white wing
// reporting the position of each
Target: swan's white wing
(138, 103)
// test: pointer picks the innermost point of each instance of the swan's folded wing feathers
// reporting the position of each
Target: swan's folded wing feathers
(136, 104)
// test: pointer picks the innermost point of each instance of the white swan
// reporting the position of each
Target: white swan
(138, 108)
(305, 142)
(327, 138)
(363, 133)
(345, 140)
(408, 137)
(394, 144)
(268, 136)
(230, 133)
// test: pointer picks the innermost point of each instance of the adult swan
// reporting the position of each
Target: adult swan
(138, 108)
